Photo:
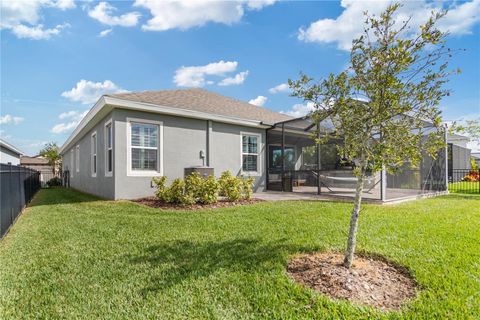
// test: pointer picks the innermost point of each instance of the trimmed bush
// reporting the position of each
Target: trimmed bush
(54, 182)
(193, 185)
(247, 187)
(209, 191)
(230, 186)
(160, 184)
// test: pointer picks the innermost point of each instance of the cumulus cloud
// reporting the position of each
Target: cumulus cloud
(88, 92)
(239, 78)
(258, 101)
(195, 13)
(299, 110)
(37, 32)
(195, 76)
(461, 17)
(283, 87)
(103, 12)
(22, 17)
(105, 32)
(9, 119)
(73, 119)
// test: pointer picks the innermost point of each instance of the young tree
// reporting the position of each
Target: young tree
(379, 106)
(51, 153)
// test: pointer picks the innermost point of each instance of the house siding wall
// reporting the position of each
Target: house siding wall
(226, 151)
(100, 185)
(183, 138)
(7, 156)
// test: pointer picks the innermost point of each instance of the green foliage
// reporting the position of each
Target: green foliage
(209, 191)
(246, 186)
(54, 182)
(51, 153)
(194, 189)
(230, 186)
(160, 184)
(400, 83)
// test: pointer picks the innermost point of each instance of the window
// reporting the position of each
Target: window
(72, 163)
(77, 158)
(94, 154)
(250, 152)
(144, 147)
(275, 157)
(108, 149)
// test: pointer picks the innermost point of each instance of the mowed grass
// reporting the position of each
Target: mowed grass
(464, 187)
(72, 256)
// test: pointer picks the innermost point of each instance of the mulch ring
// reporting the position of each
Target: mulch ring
(222, 203)
(370, 281)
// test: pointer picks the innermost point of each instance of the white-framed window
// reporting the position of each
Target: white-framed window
(108, 149)
(145, 147)
(94, 154)
(250, 149)
(77, 158)
(72, 163)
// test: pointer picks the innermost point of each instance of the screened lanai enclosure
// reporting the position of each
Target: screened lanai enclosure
(297, 164)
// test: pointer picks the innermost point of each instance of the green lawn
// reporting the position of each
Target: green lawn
(73, 256)
(464, 187)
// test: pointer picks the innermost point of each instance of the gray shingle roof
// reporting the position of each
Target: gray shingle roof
(205, 101)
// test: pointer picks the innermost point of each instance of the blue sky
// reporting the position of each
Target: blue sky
(241, 49)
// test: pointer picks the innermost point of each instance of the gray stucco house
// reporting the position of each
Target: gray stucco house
(9, 153)
(126, 139)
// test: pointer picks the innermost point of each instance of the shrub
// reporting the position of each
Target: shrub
(175, 193)
(246, 185)
(472, 176)
(54, 182)
(230, 186)
(193, 185)
(160, 185)
(209, 191)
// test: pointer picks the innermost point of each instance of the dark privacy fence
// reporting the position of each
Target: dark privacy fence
(18, 185)
(464, 181)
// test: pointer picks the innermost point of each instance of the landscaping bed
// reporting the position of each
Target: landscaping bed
(370, 281)
(154, 202)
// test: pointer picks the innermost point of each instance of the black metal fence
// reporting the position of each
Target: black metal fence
(18, 185)
(464, 181)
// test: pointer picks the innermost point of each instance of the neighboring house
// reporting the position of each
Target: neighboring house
(40, 164)
(9, 153)
(126, 139)
(458, 156)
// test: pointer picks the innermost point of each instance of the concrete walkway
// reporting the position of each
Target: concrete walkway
(282, 196)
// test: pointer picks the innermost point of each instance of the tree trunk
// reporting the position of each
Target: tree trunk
(352, 234)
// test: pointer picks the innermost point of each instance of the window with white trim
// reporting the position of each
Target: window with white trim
(250, 152)
(94, 154)
(77, 158)
(144, 139)
(108, 149)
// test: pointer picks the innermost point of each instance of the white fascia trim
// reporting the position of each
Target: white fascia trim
(259, 147)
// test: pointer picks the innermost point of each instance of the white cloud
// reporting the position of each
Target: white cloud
(88, 92)
(349, 24)
(105, 32)
(195, 13)
(36, 32)
(103, 13)
(7, 119)
(22, 17)
(74, 118)
(194, 76)
(283, 87)
(258, 101)
(239, 78)
(300, 110)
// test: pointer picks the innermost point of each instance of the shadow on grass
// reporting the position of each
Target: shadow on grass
(59, 195)
(183, 260)
(464, 196)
